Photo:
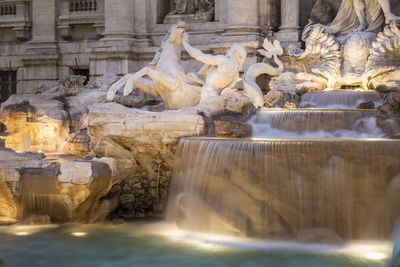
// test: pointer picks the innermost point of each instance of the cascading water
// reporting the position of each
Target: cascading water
(276, 188)
(339, 99)
(316, 123)
(306, 170)
(38, 188)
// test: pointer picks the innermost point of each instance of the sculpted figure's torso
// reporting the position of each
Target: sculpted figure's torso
(361, 15)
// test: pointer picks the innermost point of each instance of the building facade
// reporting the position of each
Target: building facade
(42, 41)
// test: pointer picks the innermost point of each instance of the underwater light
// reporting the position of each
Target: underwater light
(79, 234)
(376, 255)
(328, 89)
(22, 233)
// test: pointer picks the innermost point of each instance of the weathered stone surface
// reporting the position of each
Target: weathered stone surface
(232, 128)
(76, 172)
(71, 194)
(391, 103)
(71, 85)
(34, 123)
(366, 105)
(143, 145)
(102, 83)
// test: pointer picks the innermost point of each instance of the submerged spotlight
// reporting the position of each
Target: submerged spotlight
(79, 234)
(375, 255)
(22, 233)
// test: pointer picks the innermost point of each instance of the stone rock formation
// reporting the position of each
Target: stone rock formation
(143, 144)
(68, 191)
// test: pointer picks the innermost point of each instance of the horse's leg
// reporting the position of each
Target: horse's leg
(162, 78)
(116, 86)
(146, 85)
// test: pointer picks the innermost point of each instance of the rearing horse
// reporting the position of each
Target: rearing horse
(166, 76)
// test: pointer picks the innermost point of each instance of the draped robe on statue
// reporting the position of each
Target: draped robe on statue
(346, 20)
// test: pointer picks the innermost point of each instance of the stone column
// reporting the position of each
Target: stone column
(142, 35)
(40, 70)
(115, 52)
(241, 17)
(289, 30)
(119, 19)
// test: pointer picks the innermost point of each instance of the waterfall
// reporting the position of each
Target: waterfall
(38, 192)
(316, 123)
(274, 188)
(339, 99)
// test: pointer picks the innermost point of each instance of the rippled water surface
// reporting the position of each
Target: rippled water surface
(158, 244)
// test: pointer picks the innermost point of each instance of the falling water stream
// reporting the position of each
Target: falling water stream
(339, 99)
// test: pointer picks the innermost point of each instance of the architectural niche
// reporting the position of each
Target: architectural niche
(190, 11)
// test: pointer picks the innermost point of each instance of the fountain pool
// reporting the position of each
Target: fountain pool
(160, 244)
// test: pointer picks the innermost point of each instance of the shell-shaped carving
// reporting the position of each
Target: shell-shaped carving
(384, 53)
(323, 50)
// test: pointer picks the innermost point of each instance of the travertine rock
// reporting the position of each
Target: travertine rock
(232, 128)
(142, 144)
(69, 191)
(34, 123)
(71, 85)
(366, 105)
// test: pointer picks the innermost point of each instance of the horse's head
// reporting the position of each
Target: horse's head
(175, 34)
(171, 43)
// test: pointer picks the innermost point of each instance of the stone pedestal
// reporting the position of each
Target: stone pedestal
(39, 71)
(114, 52)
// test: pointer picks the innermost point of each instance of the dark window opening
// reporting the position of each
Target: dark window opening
(82, 72)
(8, 84)
(351, 86)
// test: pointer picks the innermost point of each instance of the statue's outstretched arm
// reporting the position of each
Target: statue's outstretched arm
(200, 56)
(385, 4)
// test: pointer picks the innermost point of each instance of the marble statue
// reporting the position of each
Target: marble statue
(252, 90)
(164, 76)
(361, 15)
(222, 72)
(192, 6)
(347, 53)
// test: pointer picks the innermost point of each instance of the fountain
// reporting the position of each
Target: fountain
(321, 164)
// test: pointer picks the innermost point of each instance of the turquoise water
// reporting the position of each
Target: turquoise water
(157, 244)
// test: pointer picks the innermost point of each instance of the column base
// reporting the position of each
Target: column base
(288, 35)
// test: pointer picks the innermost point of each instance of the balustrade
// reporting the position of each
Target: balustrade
(8, 9)
(82, 5)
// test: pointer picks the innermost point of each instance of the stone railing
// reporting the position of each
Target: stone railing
(74, 12)
(16, 14)
(82, 5)
(8, 9)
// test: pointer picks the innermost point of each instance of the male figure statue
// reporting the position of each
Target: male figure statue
(222, 71)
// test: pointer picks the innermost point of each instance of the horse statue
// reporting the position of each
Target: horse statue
(164, 76)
